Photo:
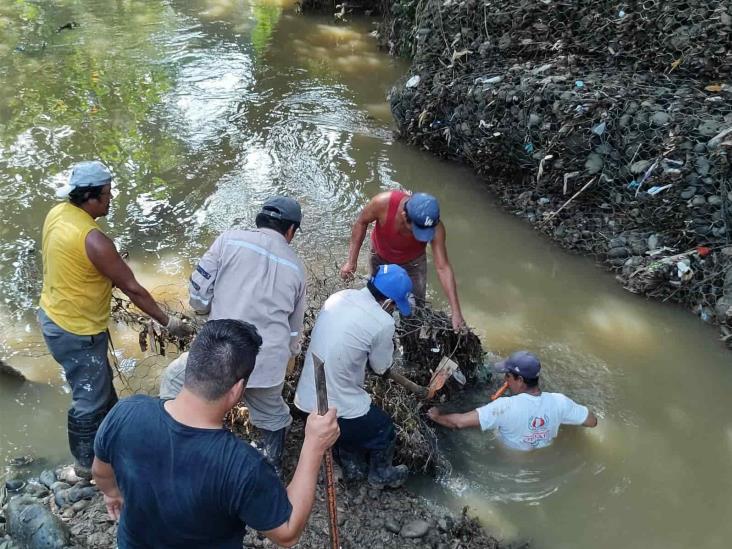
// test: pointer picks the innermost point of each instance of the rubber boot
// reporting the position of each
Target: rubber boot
(81, 432)
(382, 474)
(273, 446)
(353, 464)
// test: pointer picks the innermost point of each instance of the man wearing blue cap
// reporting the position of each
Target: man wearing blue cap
(80, 266)
(527, 420)
(404, 224)
(355, 327)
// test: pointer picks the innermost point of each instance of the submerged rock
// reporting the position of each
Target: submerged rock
(31, 524)
(415, 529)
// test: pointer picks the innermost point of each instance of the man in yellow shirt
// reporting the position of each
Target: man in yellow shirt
(80, 265)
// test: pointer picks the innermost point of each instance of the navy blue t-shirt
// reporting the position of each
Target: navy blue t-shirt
(184, 486)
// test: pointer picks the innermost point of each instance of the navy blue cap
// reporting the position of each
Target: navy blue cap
(520, 363)
(394, 282)
(423, 212)
(90, 173)
(283, 207)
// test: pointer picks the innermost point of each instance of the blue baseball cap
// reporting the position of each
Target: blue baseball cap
(520, 363)
(91, 173)
(394, 282)
(423, 212)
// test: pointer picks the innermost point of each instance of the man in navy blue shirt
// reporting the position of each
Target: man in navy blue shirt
(174, 477)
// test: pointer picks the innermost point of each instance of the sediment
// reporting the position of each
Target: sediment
(606, 126)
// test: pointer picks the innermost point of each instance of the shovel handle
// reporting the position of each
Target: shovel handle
(502, 389)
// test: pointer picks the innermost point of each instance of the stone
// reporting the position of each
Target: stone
(640, 166)
(14, 485)
(616, 253)
(688, 192)
(36, 490)
(594, 163)
(68, 513)
(390, 525)
(660, 118)
(80, 505)
(714, 200)
(653, 242)
(698, 201)
(616, 242)
(415, 529)
(47, 478)
(59, 486)
(702, 165)
(31, 524)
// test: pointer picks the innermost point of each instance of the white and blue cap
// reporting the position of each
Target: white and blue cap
(90, 173)
(423, 212)
(394, 282)
(520, 363)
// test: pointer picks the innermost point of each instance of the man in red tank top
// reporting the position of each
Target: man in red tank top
(405, 223)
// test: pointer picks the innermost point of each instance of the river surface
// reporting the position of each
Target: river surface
(205, 107)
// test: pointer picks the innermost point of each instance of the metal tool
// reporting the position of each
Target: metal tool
(321, 391)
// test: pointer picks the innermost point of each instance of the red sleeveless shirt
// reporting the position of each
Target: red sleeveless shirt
(388, 242)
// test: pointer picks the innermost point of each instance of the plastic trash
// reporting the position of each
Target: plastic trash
(579, 84)
(413, 82)
(599, 129)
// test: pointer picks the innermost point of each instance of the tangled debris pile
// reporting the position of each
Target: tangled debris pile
(610, 126)
(422, 340)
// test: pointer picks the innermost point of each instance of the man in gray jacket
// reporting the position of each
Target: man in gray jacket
(255, 276)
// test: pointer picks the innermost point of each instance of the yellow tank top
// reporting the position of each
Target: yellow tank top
(75, 295)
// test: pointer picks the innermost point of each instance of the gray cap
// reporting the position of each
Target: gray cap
(283, 207)
(91, 173)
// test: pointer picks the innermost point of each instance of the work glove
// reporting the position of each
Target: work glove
(178, 328)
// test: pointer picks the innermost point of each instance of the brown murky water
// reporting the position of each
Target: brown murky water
(204, 107)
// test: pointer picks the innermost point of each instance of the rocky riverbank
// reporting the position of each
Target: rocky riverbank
(56, 509)
(607, 127)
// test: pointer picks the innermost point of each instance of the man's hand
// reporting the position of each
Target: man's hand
(178, 328)
(458, 322)
(114, 504)
(347, 270)
(433, 413)
(322, 431)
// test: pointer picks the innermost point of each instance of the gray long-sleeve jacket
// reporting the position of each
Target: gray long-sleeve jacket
(255, 276)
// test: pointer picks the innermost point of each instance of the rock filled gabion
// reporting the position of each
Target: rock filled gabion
(607, 125)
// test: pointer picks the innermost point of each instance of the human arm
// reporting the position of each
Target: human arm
(203, 278)
(381, 353)
(368, 215)
(446, 275)
(106, 482)
(296, 320)
(104, 256)
(454, 421)
(576, 414)
(321, 432)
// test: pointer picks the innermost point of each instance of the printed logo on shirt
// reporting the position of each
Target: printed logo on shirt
(539, 431)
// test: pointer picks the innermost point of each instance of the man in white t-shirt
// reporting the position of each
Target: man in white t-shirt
(355, 328)
(529, 419)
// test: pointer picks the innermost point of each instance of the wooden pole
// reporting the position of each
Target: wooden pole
(321, 391)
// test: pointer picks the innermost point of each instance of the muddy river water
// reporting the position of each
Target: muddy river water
(205, 107)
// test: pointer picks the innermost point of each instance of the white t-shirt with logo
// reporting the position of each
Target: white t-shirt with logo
(527, 422)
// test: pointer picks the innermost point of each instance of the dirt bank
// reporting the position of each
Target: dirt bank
(367, 517)
(609, 128)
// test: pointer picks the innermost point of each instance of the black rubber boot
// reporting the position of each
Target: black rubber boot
(81, 431)
(273, 447)
(353, 464)
(382, 474)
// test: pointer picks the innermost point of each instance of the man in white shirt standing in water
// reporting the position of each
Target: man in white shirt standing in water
(527, 420)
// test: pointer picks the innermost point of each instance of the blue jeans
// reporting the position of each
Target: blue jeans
(87, 370)
(372, 431)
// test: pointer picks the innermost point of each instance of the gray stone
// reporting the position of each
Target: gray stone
(620, 252)
(714, 200)
(660, 118)
(702, 165)
(617, 242)
(81, 504)
(698, 201)
(700, 148)
(640, 166)
(32, 524)
(653, 242)
(688, 192)
(59, 486)
(594, 163)
(390, 525)
(47, 478)
(415, 529)
(36, 490)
